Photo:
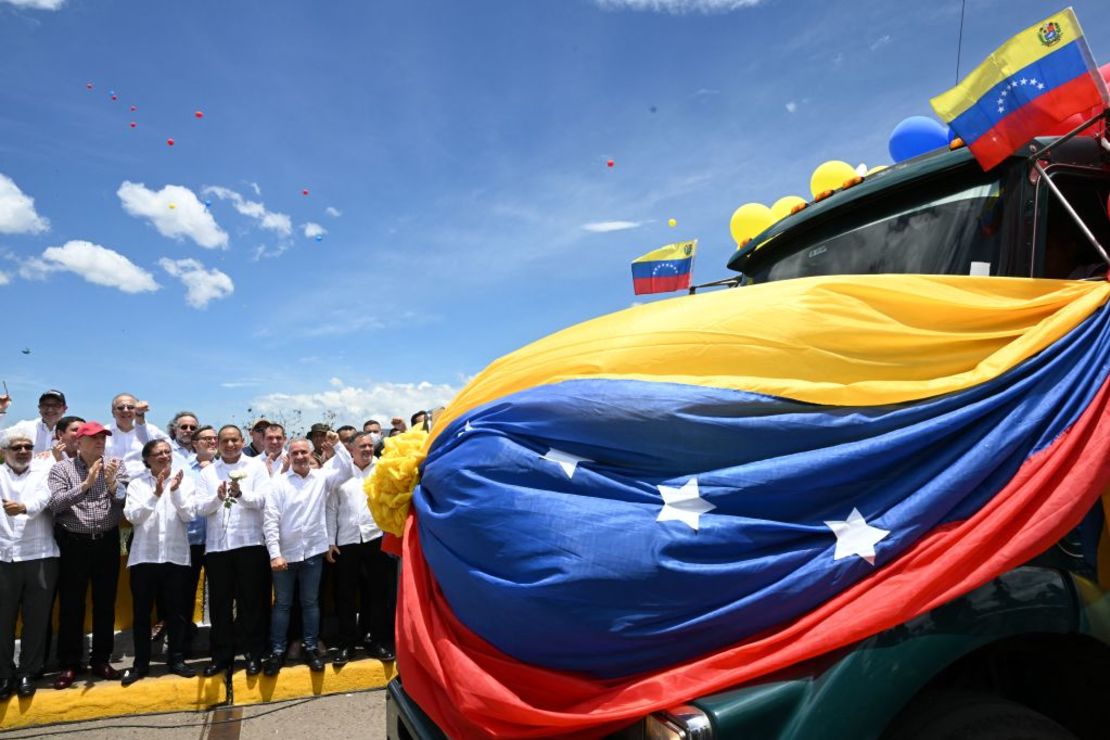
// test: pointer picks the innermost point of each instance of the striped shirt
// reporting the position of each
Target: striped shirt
(85, 512)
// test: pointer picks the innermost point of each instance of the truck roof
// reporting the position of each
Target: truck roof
(892, 179)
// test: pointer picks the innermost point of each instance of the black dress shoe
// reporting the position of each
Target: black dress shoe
(180, 668)
(25, 686)
(7, 686)
(254, 666)
(381, 652)
(217, 666)
(133, 674)
(315, 661)
(273, 664)
(105, 671)
(342, 657)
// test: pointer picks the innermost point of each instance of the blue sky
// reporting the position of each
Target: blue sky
(455, 157)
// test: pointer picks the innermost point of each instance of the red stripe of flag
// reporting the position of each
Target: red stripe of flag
(1036, 118)
(471, 689)
(660, 283)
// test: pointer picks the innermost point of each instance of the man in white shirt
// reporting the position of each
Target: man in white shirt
(52, 407)
(297, 538)
(273, 451)
(182, 427)
(363, 573)
(232, 493)
(28, 563)
(129, 432)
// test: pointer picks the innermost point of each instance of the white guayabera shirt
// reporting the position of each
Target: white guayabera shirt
(27, 536)
(128, 446)
(295, 520)
(161, 522)
(240, 524)
(349, 518)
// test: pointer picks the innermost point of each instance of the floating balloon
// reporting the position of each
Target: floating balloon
(304, 192)
(134, 108)
(784, 206)
(88, 86)
(172, 206)
(170, 142)
(115, 98)
(748, 220)
(26, 350)
(319, 237)
(132, 124)
(199, 114)
(672, 222)
(916, 135)
(207, 202)
(830, 175)
(610, 163)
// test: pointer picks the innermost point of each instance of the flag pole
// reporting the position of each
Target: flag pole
(1037, 154)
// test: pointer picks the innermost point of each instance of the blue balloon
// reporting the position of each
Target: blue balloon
(207, 203)
(319, 237)
(916, 135)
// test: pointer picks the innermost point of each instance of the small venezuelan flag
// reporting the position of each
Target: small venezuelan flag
(665, 269)
(1031, 83)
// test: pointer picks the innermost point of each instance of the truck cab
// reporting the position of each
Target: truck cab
(1026, 655)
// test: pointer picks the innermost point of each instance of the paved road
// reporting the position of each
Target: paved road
(359, 715)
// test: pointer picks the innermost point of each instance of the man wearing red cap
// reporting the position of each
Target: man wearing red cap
(87, 494)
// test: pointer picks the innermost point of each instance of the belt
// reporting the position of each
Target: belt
(89, 536)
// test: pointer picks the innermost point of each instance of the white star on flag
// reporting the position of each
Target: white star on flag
(683, 504)
(856, 537)
(466, 428)
(565, 460)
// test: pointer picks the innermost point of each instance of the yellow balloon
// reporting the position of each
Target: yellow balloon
(782, 207)
(672, 222)
(172, 206)
(749, 220)
(877, 168)
(830, 175)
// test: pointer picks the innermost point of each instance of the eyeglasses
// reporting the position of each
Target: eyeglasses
(187, 427)
(21, 448)
(125, 408)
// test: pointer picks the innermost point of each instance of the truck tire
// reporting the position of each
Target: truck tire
(950, 715)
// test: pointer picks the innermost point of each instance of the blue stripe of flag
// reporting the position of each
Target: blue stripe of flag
(660, 268)
(1053, 70)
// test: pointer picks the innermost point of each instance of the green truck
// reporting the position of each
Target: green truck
(1025, 656)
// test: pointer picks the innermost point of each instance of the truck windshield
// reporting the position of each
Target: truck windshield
(932, 233)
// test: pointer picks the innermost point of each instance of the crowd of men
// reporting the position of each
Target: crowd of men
(262, 517)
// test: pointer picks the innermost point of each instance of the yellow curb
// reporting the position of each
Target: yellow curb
(295, 682)
(100, 699)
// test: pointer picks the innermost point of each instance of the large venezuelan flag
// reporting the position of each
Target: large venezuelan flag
(677, 498)
(1024, 89)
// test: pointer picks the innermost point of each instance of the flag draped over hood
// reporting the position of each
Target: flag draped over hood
(673, 499)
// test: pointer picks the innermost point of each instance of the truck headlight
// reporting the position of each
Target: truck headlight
(684, 722)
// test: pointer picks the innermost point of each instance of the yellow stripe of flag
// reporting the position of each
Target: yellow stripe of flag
(1013, 56)
(676, 251)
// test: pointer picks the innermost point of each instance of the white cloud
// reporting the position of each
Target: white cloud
(254, 186)
(202, 285)
(36, 4)
(17, 210)
(679, 6)
(880, 42)
(279, 223)
(791, 107)
(240, 383)
(264, 252)
(175, 211)
(333, 212)
(5, 278)
(312, 230)
(94, 263)
(602, 227)
(381, 401)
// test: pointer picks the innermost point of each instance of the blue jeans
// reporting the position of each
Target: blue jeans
(306, 574)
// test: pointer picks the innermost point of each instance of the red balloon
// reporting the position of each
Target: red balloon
(610, 163)
(132, 124)
(170, 142)
(114, 97)
(199, 114)
(88, 86)
(304, 192)
(134, 108)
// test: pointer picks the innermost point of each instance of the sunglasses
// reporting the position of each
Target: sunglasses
(187, 427)
(21, 448)
(125, 408)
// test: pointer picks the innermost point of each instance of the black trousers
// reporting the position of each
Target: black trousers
(26, 587)
(239, 577)
(165, 582)
(87, 561)
(365, 579)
